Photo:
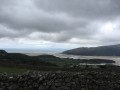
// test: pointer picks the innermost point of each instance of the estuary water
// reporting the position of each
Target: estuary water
(114, 58)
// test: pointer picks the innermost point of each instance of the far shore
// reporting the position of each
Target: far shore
(114, 58)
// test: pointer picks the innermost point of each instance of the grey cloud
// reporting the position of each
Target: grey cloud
(11, 33)
(57, 20)
(83, 8)
(20, 16)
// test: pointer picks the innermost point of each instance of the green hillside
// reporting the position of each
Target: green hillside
(111, 50)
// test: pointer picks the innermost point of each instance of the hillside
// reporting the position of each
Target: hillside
(21, 59)
(2, 52)
(45, 62)
(111, 50)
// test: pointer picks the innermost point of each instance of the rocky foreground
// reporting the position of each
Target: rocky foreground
(84, 80)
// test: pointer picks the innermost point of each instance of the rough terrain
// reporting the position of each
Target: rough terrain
(83, 80)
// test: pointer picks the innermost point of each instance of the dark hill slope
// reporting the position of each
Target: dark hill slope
(111, 50)
(3, 52)
(17, 58)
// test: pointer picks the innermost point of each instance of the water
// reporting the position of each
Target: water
(24, 50)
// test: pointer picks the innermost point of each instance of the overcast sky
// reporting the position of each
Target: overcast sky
(59, 24)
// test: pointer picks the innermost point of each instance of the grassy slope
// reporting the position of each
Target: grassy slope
(12, 70)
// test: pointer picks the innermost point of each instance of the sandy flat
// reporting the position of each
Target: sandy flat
(114, 58)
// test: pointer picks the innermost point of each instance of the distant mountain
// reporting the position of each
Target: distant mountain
(111, 50)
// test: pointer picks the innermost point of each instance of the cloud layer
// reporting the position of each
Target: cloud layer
(80, 22)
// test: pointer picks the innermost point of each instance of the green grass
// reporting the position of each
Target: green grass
(12, 70)
(94, 66)
(91, 66)
(18, 70)
(64, 62)
(82, 66)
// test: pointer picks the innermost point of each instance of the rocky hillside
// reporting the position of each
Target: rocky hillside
(85, 80)
(111, 50)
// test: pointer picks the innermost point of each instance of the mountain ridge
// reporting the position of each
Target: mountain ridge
(110, 50)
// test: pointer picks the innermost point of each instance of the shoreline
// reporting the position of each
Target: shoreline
(114, 58)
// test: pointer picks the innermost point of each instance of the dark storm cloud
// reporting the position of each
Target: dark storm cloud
(28, 16)
(82, 8)
(58, 20)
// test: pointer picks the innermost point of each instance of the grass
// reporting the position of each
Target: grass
(82, 66)
(18, 70)
(91, 66)
(12, 70)
(94, 66)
